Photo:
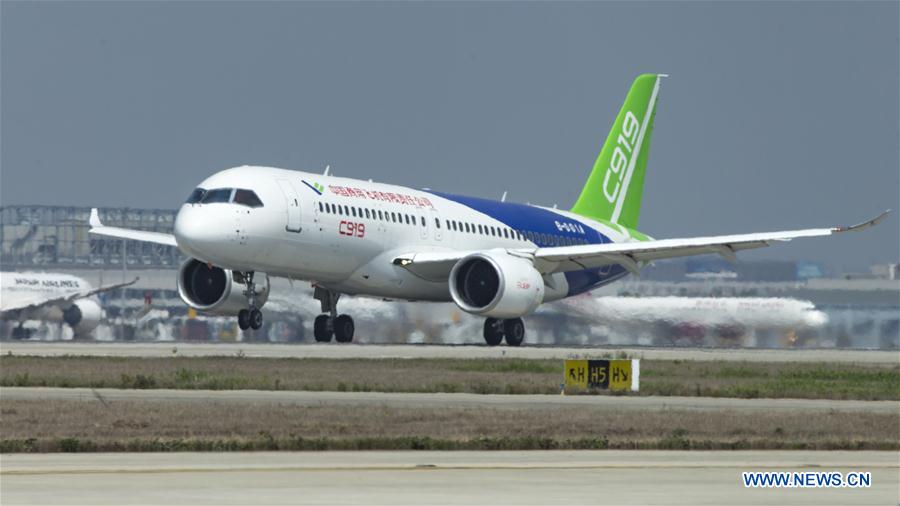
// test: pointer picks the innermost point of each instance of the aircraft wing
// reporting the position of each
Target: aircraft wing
(125, 233)
(36, 300)
(630, 255)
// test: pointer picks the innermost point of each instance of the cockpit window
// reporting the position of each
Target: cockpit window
(217, 195)
(195, 196)
(247, 198)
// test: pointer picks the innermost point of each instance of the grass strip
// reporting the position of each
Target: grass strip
(481, 376)
(78, 426)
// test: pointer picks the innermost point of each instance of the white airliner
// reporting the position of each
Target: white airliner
(496, 259)
(50, 297)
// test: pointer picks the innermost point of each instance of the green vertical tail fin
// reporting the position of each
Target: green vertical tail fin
(613, 190)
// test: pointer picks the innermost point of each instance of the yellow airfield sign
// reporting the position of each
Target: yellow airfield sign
(616, 374)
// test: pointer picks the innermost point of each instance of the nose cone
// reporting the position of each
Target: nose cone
(198, 232)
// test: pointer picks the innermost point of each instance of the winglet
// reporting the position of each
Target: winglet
(95, 218)
(864, 225)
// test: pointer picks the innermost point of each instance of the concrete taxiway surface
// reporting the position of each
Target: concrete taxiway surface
(446, 399)
(519, 478)
(335, 350)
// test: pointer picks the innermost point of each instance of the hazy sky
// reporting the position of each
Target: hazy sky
(775, 116)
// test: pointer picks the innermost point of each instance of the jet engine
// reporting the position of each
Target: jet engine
(83, 316)
(496, 284)
(216, 290)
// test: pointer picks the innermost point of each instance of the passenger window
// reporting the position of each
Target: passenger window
(321, 209)
(220, 195)
(437, 223)
(367, 214)
(423, 221)
(195, 196)
(393, 217)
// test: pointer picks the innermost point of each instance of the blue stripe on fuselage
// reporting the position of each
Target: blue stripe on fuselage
(545, 227)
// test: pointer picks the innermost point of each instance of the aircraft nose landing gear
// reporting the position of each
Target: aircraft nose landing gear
(331, 324)
(495, 330)
(250, 318)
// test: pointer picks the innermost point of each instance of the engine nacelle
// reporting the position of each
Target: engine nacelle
(498, 285)
(216, 290)
(83, 316)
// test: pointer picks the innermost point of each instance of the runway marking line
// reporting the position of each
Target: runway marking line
(423, 467)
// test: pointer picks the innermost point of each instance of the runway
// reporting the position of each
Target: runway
(307, 398)
(517, 478)
(168, 349)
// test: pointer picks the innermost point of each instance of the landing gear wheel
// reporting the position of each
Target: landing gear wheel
(343, 329)
(514, 330)
(321, 329)
(256, 319)
(244, 319)
(493, 331)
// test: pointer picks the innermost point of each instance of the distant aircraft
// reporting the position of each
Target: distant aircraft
(692, 319)
(50, 297)
(496, 259)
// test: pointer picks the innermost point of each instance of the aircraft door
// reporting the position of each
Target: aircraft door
(292, 203)
(424, 225)
(436, 222)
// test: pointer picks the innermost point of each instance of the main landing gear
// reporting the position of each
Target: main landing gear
(495, 330)
(250, 318)
(331, 324)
